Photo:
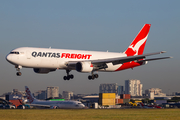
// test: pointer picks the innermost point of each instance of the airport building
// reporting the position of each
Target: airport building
(15, 97)
(176, 93)
(108, 88)
(155, 90)
(52, 92)
(133, 87)
(40, 94)
(154, 93)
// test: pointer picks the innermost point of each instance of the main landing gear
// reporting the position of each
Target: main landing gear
(18, 67)
(68, 77)
(93, 76)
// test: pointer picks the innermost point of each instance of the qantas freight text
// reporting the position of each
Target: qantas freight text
(75, 56)
(44, 60)
(64, 55)
(45, 54)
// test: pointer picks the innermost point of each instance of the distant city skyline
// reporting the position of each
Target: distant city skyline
(53, 91)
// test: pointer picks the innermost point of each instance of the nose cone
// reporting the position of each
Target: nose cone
(82, 106)
(8, 58)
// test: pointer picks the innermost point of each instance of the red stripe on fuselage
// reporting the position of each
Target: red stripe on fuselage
(128, 65)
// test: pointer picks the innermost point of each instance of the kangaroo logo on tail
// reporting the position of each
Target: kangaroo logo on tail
(29, 95)
(138, 44)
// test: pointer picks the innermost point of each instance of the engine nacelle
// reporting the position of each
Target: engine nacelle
(144, 62)
(43, 70)
(84, 67)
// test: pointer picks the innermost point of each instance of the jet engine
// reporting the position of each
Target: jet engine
(43, 70)
(143, 62)
(84, 67)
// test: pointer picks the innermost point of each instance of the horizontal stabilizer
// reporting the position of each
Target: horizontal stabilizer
(154, 59)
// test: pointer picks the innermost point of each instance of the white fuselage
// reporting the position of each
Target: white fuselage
(57, 58)
(44, 60)
(60, 104)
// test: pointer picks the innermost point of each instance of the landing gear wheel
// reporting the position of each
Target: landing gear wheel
(68, 77)
(89, 77)
(71, 76)
(64, 77)
(18, 67)
(18, 73)
(96, 75)
(92, 77)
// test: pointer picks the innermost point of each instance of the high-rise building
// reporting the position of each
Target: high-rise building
(133, 87)
(40, 94)
(52, 92)
(120, 90)
(108, 88)
(67, 95)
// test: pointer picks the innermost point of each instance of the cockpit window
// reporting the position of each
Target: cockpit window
(14, 52)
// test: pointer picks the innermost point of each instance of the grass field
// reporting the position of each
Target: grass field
(90, 114)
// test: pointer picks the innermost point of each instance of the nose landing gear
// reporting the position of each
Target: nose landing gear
(18, 67)
(18, 73)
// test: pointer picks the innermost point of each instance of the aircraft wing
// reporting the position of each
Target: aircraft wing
(121, 60)
(118, 60)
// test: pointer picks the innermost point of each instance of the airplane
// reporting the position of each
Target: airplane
(45, 60)
(149, 106)
(70, 104)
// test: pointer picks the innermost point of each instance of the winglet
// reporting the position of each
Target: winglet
(163, 51)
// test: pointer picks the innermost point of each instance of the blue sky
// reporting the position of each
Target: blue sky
(97, 25)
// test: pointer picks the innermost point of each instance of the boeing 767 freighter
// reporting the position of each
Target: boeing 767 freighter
(45, 60)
